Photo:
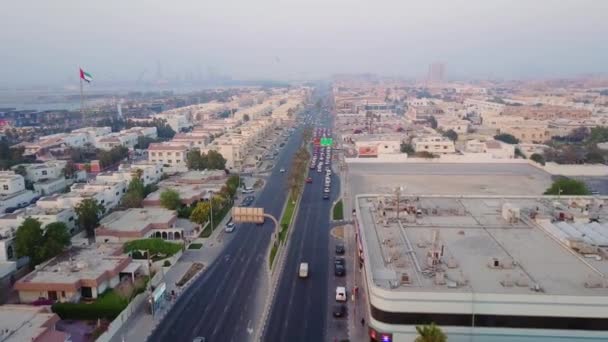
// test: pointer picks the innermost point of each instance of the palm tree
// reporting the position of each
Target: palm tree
(430, 333)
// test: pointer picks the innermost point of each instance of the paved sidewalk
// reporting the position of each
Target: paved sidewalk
(358, 308)
(140, 325)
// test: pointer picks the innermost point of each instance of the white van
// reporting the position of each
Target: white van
(247, 190)
(303, 272)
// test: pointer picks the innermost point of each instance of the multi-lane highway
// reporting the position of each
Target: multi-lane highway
(220, 305)
(299, 309)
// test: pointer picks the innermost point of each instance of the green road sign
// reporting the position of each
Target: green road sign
(327, 141)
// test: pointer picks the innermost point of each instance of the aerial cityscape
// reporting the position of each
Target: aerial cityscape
(325, 171)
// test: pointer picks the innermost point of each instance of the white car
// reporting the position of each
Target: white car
(340, 294)
(282, 170)
(326, 190)
(230, 227)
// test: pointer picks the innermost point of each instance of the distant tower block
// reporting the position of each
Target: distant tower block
(437, 73)
(119, 110)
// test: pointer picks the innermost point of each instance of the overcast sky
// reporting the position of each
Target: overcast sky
(116, 40)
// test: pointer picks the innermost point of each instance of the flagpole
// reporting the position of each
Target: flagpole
(81, 94)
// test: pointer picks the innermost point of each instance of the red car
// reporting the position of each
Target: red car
(309, 180)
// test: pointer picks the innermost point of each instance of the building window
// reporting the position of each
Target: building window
(169, 153)
(160, 154)
(153, 154)
(62, 294)
(71, 218)
(9, 252)
(169, 161)
(5, 187)
(44, 173)
(177, 161)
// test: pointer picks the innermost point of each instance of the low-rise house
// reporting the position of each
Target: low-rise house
(106, 193)
(192, 139)
(12, 191)
(451, 123)
(172, 156)
(151, 173)
(20, 323)
(497, 149)
(433, 144)
(82, 273)
(138, 223)
(40, 172)
(44, 215)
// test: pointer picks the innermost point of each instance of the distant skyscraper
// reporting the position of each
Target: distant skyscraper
(437, 73)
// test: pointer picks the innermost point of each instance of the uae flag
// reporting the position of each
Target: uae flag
(85, 76)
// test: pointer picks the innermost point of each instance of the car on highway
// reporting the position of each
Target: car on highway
(340, 294)
(199, 339)
(339, 249)
(339, 261)
(247, 201)
(303, 270)
(339, 311)
(339, 270)
(230, 227)
(282, 170)
(326, 190)
(309, 180)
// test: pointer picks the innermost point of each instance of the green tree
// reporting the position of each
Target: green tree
(195, 160)
(595, 157)
(215, 161)
(246, 117)
(507, 138)
(89, 212)
(29, 241)
(20, 170)
(430, 333)
(406, 148)
(425, 154)
(170, 199)
(200, 213)
(451, 134)
(567, 186)
(56, 239)
(433, 122)
(598, 134)
(70, 169)
(132, 200)
(538, 158)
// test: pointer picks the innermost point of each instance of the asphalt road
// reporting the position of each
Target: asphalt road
(220, 305)
(300, 306)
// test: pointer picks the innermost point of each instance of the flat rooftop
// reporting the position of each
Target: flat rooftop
(137, 219)
(27, 323)
(91, 262)
(481, 244)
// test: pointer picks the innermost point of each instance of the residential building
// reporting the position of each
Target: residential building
(423, 113)
(497, 149)
(172, 156)
(43, 215)
(138, 223)
(547, 112)
(451, 123)
(373, 145)
(188, 193)
(433, 144)
(39, 172)
(231, 148)
(51, 186)
(12, 191)
(484, 107)
(107, 193)
(178, 122)
(151, 173)
(192, 139)
(19, 323)
(528, 132)
(479, 266)
(530, 149)
(127, 138)
(82, 273)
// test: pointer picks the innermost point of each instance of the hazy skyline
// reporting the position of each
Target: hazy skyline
(45, 42)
